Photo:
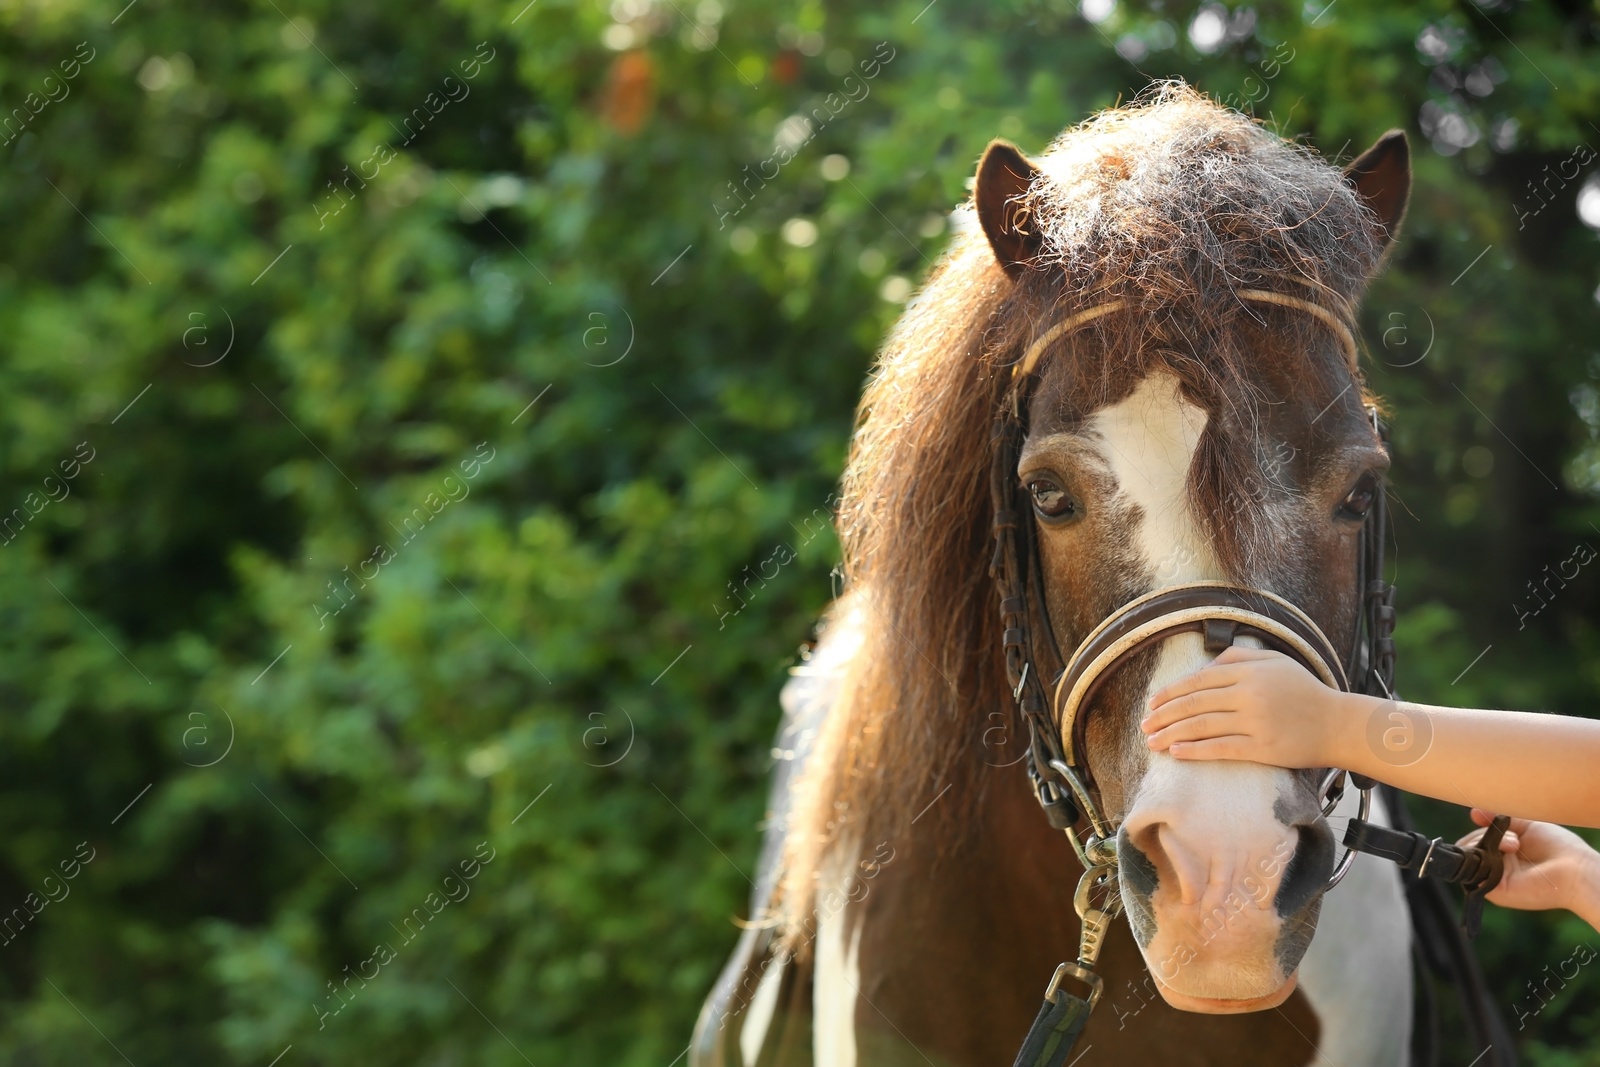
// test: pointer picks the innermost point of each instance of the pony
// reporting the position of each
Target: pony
(1183, 284)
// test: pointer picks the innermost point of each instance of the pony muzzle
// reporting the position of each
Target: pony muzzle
(1223, 909)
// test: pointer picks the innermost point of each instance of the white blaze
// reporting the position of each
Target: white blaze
(1357, 971)
(1150, 440)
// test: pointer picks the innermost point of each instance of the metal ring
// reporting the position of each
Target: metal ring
(1350, 854)
(1085, 802)
(1332, 790)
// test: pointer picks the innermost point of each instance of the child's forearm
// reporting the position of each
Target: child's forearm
(1534, 766)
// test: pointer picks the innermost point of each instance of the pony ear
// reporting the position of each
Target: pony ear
(1381, 177)
(1004, 176)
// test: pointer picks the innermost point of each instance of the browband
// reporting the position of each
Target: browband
(1341, 330)
(1067, 325)
(1347, 339)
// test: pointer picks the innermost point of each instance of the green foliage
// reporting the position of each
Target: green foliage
(520, 320)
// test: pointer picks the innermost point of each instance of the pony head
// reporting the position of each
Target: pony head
(1183, 283)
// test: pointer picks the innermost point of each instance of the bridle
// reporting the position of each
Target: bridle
(1056, 714)
(1220, 611)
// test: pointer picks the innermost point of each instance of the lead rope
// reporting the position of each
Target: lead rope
(1063, 1015)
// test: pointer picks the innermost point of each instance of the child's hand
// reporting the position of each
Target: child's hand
(1251, 704)
(1547, 866)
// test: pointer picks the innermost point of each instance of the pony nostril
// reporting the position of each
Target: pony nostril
(1308, 870)
(1139, 879)
(1153, 851)
(1138, 873)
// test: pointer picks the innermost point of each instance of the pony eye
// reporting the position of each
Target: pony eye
(1052, 502)
(1359, 502)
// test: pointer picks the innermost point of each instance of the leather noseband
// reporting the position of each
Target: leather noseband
(1219, 611)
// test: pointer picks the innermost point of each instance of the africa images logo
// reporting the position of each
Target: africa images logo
(1397, 735)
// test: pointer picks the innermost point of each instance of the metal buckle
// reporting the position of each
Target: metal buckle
(1422, 871)
(1093, 981)
(1016, 694)
(1095, 922)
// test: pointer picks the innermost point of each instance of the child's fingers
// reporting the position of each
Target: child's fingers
(1511, 842)
(1212, 677)
(1241, 654)
(1484, 818)
(1508, 843)
(1233, 746)
(1187, 707)
(1209, 724)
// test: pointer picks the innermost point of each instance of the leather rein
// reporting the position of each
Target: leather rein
(1056, 709)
